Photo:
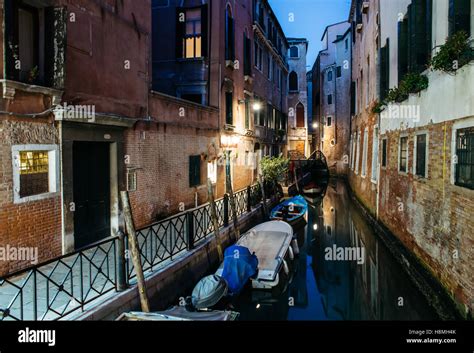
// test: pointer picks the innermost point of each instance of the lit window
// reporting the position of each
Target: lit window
(35, 174)
(192, 38)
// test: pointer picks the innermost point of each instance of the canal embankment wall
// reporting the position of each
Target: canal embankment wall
(436, 294)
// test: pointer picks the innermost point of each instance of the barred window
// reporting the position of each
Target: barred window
(34, 170)
(465, 157)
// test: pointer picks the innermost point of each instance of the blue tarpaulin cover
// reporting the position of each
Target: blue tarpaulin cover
(239, 266)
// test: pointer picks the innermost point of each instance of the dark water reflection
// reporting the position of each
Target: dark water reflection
(377, 289)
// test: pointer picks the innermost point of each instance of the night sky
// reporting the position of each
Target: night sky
(310, 19)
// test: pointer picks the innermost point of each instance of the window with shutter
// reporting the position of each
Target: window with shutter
(229, 35)
(194, 171)
(229, 117)
(402, 49)
(247, 56)
(460, 16)
(353, 97)
(421, 155)
(385, 70)
(384, 152)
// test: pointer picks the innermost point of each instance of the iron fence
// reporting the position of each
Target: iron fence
(59, 287)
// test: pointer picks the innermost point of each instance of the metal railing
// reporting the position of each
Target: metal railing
(61, 286)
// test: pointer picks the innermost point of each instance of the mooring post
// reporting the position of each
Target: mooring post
(249, 201)
(132, 240)
(190, 230)
(121, 262)
(226, 210)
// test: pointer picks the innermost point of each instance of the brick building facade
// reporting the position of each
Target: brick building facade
(410, 164)
(298, 137)
(332, 84)
(87, 111)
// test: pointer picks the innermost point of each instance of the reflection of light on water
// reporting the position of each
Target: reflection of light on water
(315, 226)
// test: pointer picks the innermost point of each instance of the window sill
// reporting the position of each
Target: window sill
(32, 198)
(10, 87)
(201, 58)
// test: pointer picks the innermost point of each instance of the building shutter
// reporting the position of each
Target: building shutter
(247, 56)
(10, 40)
(194, 170)
(412, 25)
(353, 97)
(204, 30)
(402, 48)
(229, 119)
(180, 31)
(385, 70)
(55, 46)
(460, 16)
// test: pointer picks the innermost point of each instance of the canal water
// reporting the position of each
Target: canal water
(325, 285)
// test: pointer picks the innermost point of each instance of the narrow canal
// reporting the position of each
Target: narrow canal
(373, 288)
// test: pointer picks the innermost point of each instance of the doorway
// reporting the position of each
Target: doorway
(91, 180)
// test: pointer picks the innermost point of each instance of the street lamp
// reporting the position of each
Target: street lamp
(315, 125)
(257, 106)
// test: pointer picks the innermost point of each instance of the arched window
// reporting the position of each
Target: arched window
(229, 34)
(294, 52)
(293, 81)
(299, 115)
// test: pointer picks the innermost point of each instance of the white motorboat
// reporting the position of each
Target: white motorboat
(272, 242)
(179, 313)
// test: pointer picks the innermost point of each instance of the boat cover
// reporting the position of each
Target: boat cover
(239, 266)
(208, 291)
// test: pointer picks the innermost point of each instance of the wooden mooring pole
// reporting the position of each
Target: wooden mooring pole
(230, 192)
(261, 181)
(132, 240)
(215, 222)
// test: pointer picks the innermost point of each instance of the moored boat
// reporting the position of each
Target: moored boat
(179, 313)
(291, 211)
(271, 242)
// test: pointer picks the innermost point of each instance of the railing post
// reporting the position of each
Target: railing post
(121, 270)
(226, 210)
(249, 202)
(190, 230)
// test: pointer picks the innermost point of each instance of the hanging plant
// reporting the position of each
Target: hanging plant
(454, 54)
(411, 83)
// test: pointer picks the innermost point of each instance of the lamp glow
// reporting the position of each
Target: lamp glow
(257, 106)
(315, 125)
(315, 226)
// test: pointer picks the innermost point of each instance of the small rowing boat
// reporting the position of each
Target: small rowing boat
(291, 210)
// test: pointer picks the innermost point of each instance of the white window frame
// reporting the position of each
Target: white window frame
(400, 152)
(365, 148)
(357, 153)
(53, 171)
(375, 155)
(427, 149)
(458, 125)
